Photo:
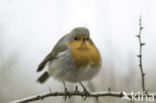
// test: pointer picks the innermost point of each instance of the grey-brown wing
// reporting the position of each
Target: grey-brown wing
(45, 60)
(59, 47)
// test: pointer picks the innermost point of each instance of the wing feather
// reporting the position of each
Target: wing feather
(59, 47)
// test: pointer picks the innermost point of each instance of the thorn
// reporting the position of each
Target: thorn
(138, 36)
(76, 89)
(144, 74)
(109, 89)
(39, 97)
(97, 99)
(141, 28)
(142, 44)
(122, 94)
(139, 55)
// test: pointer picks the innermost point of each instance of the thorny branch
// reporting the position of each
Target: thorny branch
(74, 93)
(141, 44)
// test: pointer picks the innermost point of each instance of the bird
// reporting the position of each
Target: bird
(74, 58)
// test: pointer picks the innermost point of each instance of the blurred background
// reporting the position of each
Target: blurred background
(30, 28)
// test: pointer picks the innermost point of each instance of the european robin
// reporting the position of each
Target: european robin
(74, 58)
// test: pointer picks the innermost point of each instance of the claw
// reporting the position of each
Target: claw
(85, 92)
(66, 92)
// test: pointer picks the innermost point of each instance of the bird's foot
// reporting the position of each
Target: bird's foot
(66, 94)
(86, 93)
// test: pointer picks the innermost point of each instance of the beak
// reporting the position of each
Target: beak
(83, 39)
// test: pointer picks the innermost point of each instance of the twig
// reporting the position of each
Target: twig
(141, 44)
(74, 93)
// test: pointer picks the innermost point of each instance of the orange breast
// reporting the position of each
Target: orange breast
(84, 54)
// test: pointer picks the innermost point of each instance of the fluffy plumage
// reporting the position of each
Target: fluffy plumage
(74, 58)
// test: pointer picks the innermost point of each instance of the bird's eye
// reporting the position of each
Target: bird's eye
(75, 38)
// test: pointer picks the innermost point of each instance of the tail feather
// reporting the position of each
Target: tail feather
(44, 77)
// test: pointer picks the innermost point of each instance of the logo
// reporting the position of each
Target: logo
(139, 96)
